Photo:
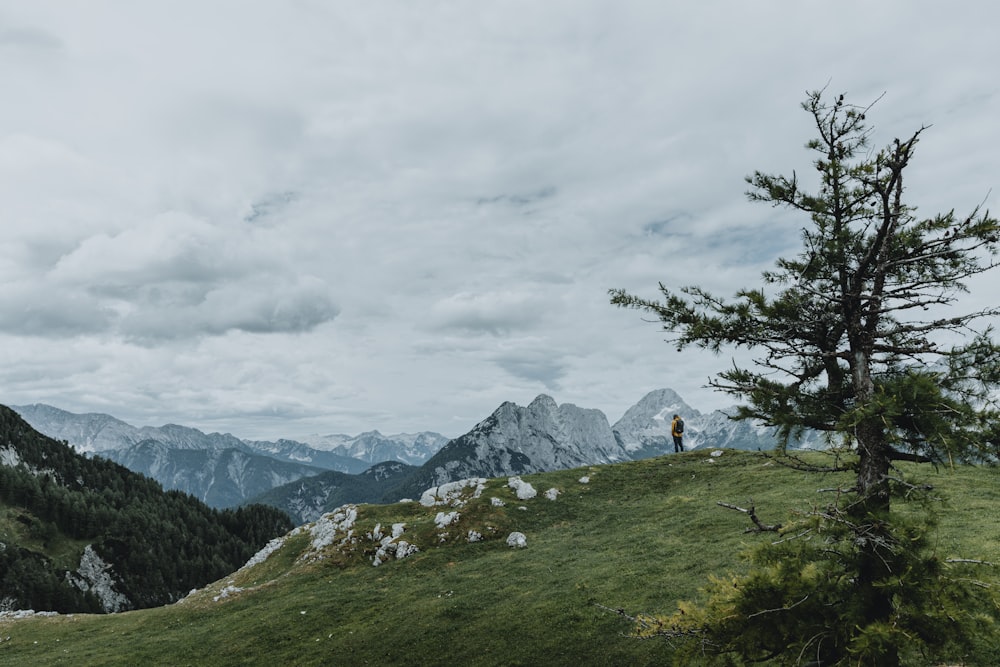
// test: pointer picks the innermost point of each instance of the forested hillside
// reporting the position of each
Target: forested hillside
(86, 534)
(307, 499)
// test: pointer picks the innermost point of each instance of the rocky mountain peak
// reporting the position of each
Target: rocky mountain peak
(543, 403)
(518, 440)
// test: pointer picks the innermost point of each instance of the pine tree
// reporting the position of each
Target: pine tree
(851, 335)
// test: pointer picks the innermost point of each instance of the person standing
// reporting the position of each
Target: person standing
(677, 431)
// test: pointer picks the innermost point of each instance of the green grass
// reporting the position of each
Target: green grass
(20, 527)
(639, 536)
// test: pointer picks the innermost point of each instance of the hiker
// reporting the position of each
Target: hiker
(677, 430)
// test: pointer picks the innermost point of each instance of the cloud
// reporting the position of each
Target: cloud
(257, 306)
(269, 205)
(525, 199)
(171, 277)
(496, 313)
(29, 309)
(397, 217)
(28, 40)
(171, 247)
(50, 189)
(535, 363)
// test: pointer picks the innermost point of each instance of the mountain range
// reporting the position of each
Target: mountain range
(306, 479)
(222, 470)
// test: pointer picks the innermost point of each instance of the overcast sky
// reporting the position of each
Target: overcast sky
(276, 218)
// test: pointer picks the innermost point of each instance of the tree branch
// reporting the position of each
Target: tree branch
(796, 463)
(897, 455)
(970, 560)
(771, 611)
(752, 513)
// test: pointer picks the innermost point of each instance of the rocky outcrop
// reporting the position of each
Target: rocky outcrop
(96, 576)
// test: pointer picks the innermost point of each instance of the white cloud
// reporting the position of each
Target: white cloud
(169, 247)
(29, 309)
(274, 218)
(254, 306)
(497, 313)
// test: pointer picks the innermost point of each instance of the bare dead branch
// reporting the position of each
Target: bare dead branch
(621, 612)
(752, 513)
(970, 560)
(897, 455)
(911, 487)
(793, 537)
(795, 463)
(772, 611)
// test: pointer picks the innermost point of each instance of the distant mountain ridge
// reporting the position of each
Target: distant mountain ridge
(373, 447)
(98, 432)
(513, 440)
(221, 469)
(218, 477)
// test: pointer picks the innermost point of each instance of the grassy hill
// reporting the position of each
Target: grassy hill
(637, 536)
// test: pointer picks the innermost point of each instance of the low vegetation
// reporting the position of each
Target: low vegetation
(632, 538)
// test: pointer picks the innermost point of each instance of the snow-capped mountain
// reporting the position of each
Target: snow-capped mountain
(644, 429)
(373, 447)
(294, 451)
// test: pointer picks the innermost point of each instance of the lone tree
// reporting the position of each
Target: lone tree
(851, 336)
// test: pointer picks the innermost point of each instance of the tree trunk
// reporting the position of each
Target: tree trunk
(871, 511)
(874, 459)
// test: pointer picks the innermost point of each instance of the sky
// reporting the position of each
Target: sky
(278, 218)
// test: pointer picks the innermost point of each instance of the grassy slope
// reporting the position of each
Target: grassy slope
(14, 529)
(639, 536)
